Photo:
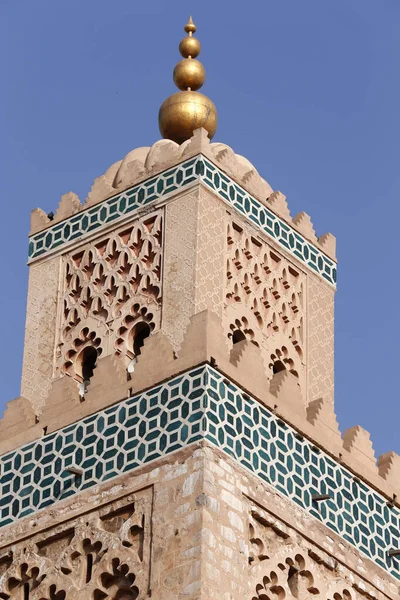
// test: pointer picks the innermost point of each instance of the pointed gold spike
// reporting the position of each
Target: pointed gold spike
(190, 27)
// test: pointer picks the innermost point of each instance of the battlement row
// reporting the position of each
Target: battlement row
(205, 342)
(142, 163)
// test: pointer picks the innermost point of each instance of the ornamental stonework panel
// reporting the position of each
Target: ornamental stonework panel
(109, 287)
(265, 301)
(320, 357)
(285, 566)
(180, 266)
(104, 555)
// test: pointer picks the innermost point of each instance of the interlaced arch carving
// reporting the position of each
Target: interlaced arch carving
(264, 299)
(22, 581)
(117, 583)
(74, 363)
(241, 330)
(133, 331)
(280, 360)
(106, 282)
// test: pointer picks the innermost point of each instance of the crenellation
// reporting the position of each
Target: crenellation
(302, 222)
(225, 157)
(389, 469)
(278, 204)
(321, 415)
(69, 205)
(356, 440)
(102, 188)
(153, 366)
(287, 395)
(142, 163)
(19, 421)
(327, 243)
(39, 220)
(257, 186)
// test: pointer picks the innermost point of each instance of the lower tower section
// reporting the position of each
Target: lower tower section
(191, 489)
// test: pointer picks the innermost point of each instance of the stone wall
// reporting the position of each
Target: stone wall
(40, 331)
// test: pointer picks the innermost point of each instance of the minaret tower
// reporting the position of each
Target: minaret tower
(175, 436)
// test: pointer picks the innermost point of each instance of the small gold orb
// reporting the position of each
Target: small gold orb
(183, 112)
(189, 73)
(189, 46)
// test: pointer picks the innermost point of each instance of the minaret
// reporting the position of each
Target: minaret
(175, 436)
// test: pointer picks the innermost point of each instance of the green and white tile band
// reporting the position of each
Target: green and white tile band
(199, 404)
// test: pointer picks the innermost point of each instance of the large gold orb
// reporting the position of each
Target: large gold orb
(183, 112)
(189, 46)
(189, 73)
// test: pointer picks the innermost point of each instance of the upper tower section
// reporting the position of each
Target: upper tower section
(172, 232)
(184, 112)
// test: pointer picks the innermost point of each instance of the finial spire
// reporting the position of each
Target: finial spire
(187, 110)
(190, 27)
(189, 73)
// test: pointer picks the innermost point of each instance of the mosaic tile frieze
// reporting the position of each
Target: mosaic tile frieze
(174, 180)
(200, 404)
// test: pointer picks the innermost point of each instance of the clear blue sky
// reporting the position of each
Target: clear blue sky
(307, 90)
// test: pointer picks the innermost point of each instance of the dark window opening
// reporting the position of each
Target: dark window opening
(26, 591)
(278, 366)
(89, 567)
(293, 581)
(88, 362)
(141, 331)
(238, 336)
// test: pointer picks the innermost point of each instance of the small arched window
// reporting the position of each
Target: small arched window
(87, 360)
(238, 336)
(140, 332)
(278, 366)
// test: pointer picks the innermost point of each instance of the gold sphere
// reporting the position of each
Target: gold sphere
(189, 46)
(189, 73)
(183, 112)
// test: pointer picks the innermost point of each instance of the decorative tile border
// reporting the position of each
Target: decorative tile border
(174, 179)
(200, 404)
(103, 446)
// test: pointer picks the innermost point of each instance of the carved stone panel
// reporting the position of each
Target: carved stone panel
(265, 301)
(285, 566)
(99, 556)
(109, 287)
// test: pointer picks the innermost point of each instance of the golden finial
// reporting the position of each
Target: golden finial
(187, 110)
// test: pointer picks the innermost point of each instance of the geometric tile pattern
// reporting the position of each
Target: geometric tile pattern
(174, 179)
(276, 453)
(198, 404)
(104, 445)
